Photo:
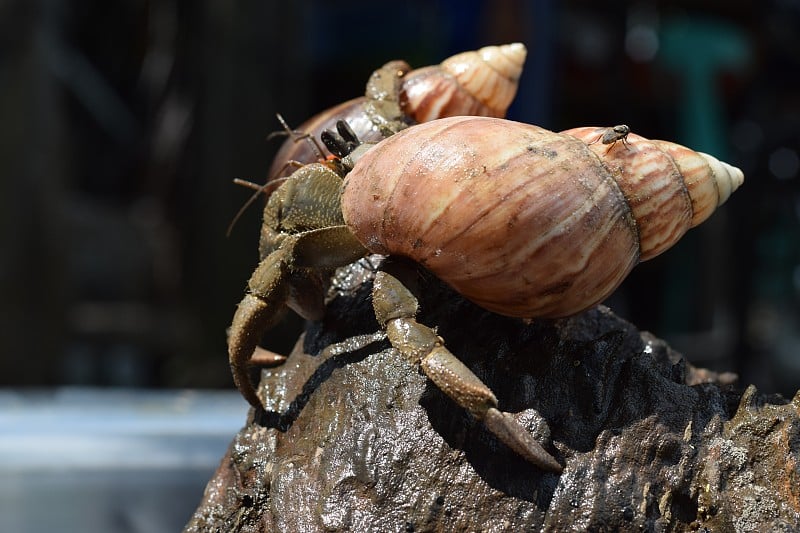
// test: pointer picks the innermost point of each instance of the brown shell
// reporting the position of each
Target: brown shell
(352, 111)
(479, 83)
(426, 94)
(521, 220)
(669, 187)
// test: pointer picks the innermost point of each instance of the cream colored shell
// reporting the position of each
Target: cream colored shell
(521, 220)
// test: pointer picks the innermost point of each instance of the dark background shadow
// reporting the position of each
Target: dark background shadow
(124, 124)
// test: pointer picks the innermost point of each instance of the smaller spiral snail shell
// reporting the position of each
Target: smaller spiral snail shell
(523, 221)
(482, 82)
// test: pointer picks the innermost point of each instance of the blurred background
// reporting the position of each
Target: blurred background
(125, 122)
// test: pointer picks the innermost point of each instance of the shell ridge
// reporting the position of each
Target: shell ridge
(610, 176)
(664, 231)
(545, 237)
(659, 199)
(548, 298)
(676, 178)
(715, 181)
(696, 172)
(718, 167)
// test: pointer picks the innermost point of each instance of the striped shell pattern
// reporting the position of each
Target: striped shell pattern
(524, 221)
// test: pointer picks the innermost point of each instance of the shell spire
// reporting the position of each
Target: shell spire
(664, 209)
(479, 82)
(710, 182)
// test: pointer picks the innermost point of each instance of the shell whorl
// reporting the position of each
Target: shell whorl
(479, 82)
(670, 188)
(710, 182)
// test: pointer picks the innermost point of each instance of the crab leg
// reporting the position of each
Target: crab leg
(279, 280)
(268, 290)
(396, 309)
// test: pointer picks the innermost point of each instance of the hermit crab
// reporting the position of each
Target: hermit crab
(520, 220)
(479, 82)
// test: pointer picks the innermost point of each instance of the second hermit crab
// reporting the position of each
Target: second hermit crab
(522, 221)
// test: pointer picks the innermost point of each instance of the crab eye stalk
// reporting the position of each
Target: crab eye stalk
(347, 133)
(341, 142)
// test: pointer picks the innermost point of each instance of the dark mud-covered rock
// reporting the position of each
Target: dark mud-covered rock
(361, 441)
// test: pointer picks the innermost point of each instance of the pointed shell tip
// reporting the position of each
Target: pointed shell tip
(728, 177)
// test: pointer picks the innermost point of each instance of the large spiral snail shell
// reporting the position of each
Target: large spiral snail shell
(524, 221)
(482, 82)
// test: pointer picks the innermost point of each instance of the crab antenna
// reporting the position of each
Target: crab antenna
(297, 136)
(260, 189)
(248, 184)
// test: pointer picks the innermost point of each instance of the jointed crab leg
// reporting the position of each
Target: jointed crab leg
(282, 278)
(268, 290)
(396, 309)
